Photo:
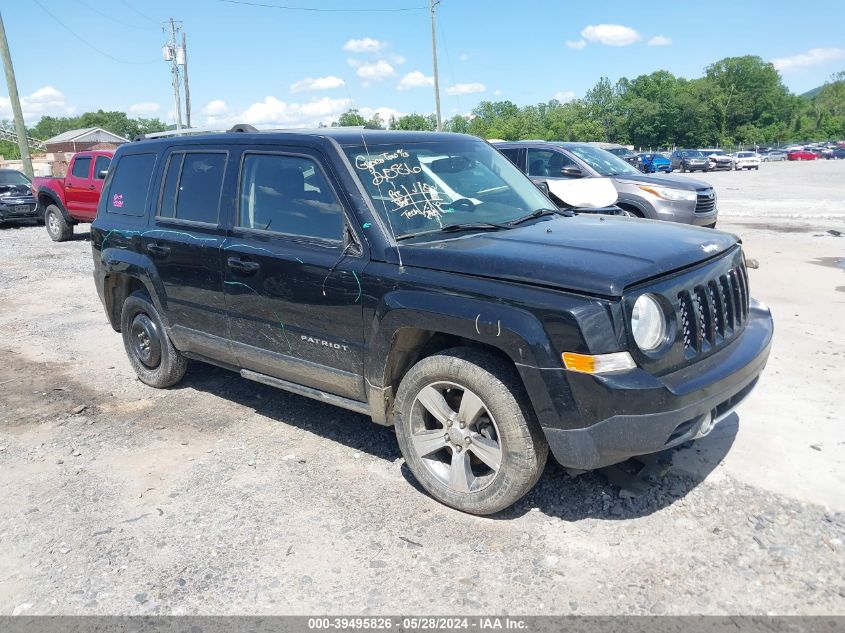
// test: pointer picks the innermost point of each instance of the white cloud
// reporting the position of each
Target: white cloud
(498, 93)
(812, 57)
(273, 111)
(463, 57)
(466, 89)
(364, 45)
(610, 34)
(577, 44)
(384, 113)
(319, 83)
(376, 71)
(44, 101)
(660, 40)
(415, 79)
(217, 107)
(147, 108)
(397, 59)
(564, 95)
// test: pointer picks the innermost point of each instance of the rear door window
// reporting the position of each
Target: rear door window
(513, 156)
(81, 167)
(192, 185)
(130, 184)
(543, 162)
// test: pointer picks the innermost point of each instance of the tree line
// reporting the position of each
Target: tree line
(739, 100)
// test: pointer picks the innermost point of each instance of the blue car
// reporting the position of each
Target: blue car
(652, 163)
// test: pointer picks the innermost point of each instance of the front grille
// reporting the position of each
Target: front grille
(705, 200)
(713, 312)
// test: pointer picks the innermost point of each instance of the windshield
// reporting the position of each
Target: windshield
(605, 163)
(692, 154)
(13, 178)
(420, 187)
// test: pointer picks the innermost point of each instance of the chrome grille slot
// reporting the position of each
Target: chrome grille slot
(705, 200)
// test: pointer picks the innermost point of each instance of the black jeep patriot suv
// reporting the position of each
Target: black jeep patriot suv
(421, 279)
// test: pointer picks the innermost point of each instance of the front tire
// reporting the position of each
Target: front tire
(466, 432)
(57, 227)
(151, 354)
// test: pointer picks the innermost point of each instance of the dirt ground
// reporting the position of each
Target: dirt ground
(223, 496)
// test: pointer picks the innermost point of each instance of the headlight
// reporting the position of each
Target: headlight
(669, 194)
(648, 323)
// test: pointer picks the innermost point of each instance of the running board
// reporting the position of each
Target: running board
(308, 392)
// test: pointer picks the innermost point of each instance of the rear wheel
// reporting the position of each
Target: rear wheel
(147, 345)
(57, 227)
(466, 433)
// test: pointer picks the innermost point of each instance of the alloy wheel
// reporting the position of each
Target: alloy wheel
(455, 436)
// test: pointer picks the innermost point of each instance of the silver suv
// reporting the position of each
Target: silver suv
(656, 197)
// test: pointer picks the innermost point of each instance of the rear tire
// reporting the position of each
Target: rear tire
(151, 354)
(466, 431)
(57, 227)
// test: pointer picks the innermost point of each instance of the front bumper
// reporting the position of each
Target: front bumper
(649, 414)
(23, 208)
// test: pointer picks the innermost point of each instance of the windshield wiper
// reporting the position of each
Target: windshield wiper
(539, 213)
(463, 226)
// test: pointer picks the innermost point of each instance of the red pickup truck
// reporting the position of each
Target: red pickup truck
(73, 199)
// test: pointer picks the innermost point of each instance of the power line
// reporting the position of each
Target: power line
(108, 17)
(84, 41)
(267, 5)
(134, 10)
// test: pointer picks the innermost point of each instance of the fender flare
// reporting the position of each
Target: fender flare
(119, 263)
(511, 330)
(54, 198)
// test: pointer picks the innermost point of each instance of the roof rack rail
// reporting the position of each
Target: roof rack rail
(187, 131)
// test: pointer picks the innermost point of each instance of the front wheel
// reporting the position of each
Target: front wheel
(57, 227)
(151, 354)
(466, 432)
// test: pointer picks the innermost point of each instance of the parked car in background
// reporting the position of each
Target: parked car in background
(16, 200)
(489, 329)
(621, 151)
(801, 154)
(653, 163)
(73, 199)
(689, 160)
(745, 160)
(655, 197)
(773, 155)
(837, 153)
(717, 158)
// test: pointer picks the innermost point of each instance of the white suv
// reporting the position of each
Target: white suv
(745, 160)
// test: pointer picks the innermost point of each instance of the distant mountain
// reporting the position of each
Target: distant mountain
(812, 93)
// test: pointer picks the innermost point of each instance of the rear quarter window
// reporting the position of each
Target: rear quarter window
(192, 185)
(130, 184)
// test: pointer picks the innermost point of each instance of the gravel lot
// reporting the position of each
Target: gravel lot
(225, 496)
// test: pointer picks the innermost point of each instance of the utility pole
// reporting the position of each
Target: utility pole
(185, 78)
(20, 128)
(171, 57)
(431, 5)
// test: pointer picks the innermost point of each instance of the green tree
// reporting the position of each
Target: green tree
(413, 122)
(350, 118)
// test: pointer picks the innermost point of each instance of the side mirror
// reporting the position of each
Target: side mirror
(102, 174)
(572, 171)
(542, 186)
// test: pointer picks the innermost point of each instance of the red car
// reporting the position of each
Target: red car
(73, 199)
(801, 154)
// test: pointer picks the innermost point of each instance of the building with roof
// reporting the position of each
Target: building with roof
(84, 139)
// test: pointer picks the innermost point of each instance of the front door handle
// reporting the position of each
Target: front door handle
(158, 250)
(242, 266)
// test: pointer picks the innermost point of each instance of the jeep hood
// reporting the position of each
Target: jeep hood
(599, 255)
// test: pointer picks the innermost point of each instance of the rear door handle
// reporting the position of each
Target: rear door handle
(244, 267)
(158, 249)
(90, 186)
